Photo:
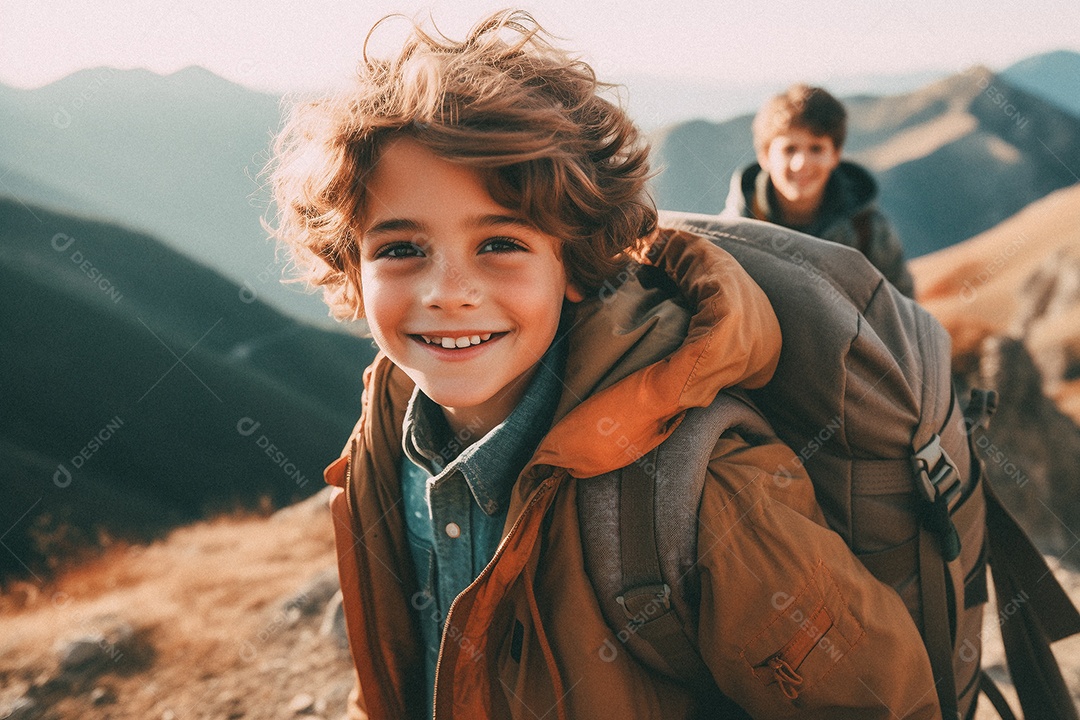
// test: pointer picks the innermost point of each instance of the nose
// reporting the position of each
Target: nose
(798, 160)
(450, 284)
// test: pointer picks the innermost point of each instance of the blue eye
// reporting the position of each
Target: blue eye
(501, 245)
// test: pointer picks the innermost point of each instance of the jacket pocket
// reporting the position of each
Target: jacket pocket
(807, 635)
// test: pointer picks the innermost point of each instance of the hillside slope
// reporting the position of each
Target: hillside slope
(229, 619)
(177, 156)
(952, 159)
(139, 389)
(1020, 278)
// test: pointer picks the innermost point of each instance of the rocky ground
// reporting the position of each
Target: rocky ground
(234, 618)
(228, 619)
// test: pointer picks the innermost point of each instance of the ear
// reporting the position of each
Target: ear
(762, 159)
(573, 294)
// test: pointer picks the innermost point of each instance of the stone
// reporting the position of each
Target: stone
(302, 704)
(333, 622)
(102, 648)
(102, 695)
(81, 653)
(313, 595)
(1031, 449)
(23, 708)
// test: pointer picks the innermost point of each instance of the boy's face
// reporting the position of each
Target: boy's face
(799, 164)
(461, 293)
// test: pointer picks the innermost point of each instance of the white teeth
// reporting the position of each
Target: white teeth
(454, 343)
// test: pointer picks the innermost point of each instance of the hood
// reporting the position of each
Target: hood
(684, 324)
(850, 189)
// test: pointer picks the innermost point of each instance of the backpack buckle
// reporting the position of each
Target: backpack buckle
(938, 482)
(645, 602)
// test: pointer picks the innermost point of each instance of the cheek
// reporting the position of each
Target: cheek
(380, 309)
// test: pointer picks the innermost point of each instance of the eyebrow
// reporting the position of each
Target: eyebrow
(489, 220)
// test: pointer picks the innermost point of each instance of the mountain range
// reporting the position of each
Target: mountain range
(1010, 298)
(179, 157)
(952, 159)
(1020, 279)
(141, 389)
(154, 368)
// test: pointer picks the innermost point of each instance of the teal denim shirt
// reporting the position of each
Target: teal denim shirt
(455, 499)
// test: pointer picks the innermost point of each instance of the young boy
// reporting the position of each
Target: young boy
(799, 181)
(478, 204)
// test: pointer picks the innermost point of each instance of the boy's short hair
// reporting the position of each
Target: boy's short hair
(802, 106)
(504, 101)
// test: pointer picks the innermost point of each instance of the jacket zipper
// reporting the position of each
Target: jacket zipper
(348, 477)
(786, 676)
(540, 491)
(785, 663)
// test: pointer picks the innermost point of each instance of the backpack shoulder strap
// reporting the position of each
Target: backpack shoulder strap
(639, 539)
(1034, 610)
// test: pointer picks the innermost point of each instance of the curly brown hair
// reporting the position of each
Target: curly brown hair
(505, 101)
(801, 106)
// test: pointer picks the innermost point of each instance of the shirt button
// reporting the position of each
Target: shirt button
(453, 530)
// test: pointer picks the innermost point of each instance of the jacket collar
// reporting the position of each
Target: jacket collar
(684, 324)
(679, 325)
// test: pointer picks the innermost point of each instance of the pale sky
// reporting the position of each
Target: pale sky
(291, 44)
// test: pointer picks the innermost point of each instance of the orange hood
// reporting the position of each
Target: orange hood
(658, 346)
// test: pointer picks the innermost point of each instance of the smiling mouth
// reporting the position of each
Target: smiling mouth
(464, 341)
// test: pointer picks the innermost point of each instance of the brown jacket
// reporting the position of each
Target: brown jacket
(527, 638)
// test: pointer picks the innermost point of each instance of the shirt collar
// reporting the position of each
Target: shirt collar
(490, 465)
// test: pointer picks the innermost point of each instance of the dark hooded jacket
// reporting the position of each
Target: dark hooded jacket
(849, 215)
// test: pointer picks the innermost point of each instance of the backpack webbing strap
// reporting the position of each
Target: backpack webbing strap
(646, 598)
(937, 635)
(1036, 611)
(937, 481)
(990, 689)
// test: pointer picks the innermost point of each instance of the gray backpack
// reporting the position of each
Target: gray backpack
(863, 395)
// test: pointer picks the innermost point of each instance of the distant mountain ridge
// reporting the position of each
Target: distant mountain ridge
(140, 389)
(1010, 299)
(1054, 76)
(178, 156)
(952, 159)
